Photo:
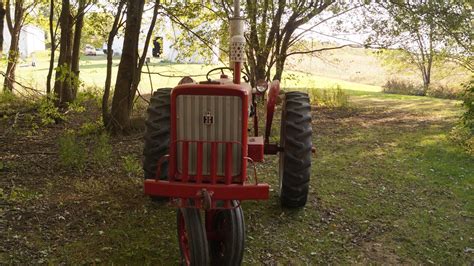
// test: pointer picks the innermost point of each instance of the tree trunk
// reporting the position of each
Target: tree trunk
(2, 23)
(279, 66)
(63, 82)
(53, 47)
(76, 46)
(141, 62)
(108, 78)
(14, 28)
(124, 94)
(13, 55)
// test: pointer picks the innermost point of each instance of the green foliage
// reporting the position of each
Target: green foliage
(7, 97)
(48, 113)
(463, 137)
(468, 103)
(402, 87)
(96, 27)
(463, 133)
(19, 195)
(91, 128)
(335, 97)
(8, 100)
(131, 165)
(102, 150)
(72, 152)
(425, 33)
(64, 73)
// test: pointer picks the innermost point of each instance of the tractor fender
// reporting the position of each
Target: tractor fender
(273, 93)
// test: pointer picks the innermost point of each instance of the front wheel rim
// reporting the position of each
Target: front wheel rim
(183, 239)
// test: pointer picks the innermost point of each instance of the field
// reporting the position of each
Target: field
(93, 70)
(387, 187)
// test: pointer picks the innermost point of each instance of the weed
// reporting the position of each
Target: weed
(49, 113)
(19, 195)
(91, 128)
(103, 150)
(7, 97)
(131, 165)
(402, 87)
(335, 97)
(90, 93)
(72, 152)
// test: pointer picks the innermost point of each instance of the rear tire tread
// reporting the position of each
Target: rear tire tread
(296, 120)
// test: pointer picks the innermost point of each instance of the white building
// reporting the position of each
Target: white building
(32, 39)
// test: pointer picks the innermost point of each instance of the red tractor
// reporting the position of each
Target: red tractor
(198, 146)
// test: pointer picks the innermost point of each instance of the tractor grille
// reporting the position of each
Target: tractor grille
(209, 118)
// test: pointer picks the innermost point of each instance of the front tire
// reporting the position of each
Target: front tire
(295, 160)
(192, 238)
(228, 231)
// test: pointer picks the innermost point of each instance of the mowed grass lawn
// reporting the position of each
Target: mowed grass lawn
(93, 69)
(387, 187)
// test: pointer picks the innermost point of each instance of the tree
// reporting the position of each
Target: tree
(117, 24)
(425, 32)
(2, 19)
(124, 94)
(53, 32)
(67, 72)
(21, 8)
(275, 28)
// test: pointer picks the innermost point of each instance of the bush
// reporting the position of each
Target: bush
(72, 152)
(444, 92)
(468, 103)
(335, 97)
(402, 87)
(462, 136)
(463, 133)
(49, 113)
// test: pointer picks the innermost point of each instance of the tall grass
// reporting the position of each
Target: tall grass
(334, 97)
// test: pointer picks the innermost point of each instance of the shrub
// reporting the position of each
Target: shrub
(394, 86)
(462, 136)
(72, 152)
(463, 133)
(468, 103)
(335, 97)
(444, 92)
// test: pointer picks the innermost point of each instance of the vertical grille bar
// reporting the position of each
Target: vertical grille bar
(199, 163)
(228, 163)
(185, 160)
(214, 162)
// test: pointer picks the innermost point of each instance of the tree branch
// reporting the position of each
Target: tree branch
(323, 49)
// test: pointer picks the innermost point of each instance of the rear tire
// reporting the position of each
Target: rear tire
(192, 238)
(157, 133)
(227, 247)
(295, 139)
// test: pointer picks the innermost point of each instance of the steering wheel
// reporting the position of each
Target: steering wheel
(245, 77)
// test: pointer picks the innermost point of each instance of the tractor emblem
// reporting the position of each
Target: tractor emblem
(208, 119)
